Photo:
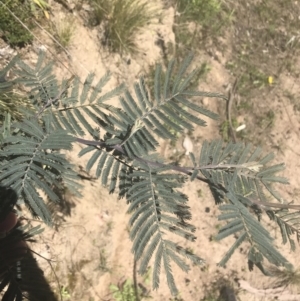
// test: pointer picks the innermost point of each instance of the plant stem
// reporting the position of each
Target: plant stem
(119, 148)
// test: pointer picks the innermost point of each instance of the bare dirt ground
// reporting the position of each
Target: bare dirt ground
(91, 250)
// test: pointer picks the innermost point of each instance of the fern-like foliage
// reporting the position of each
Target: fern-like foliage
(73, 110)
(132, 132)
(242, 223)
(157, 208)
(4, 84)
(241, 175)
(10, 102)
(172, 102)
(109, 167)
(30, 161)
(289, 224)
(121, 142)
(241, 165)
(42, 84)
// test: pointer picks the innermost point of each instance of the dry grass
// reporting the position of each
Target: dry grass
(289, 279)
(63, 31)
(122, 20)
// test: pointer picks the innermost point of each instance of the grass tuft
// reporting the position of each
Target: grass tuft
(286, 278)
(63, 31)
(122, 20)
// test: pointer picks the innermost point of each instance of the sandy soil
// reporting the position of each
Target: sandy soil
(91, 249)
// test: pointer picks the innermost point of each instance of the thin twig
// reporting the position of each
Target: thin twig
(267, 205)
(135, 282)
(230, 98)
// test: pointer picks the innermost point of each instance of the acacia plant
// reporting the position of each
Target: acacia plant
(121, 143)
